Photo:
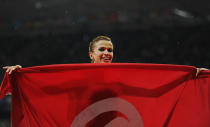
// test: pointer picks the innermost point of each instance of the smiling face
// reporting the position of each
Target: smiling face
(102, 52)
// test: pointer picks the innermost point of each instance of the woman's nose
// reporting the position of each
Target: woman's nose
(106, 51)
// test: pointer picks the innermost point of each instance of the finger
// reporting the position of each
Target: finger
(197, 72)
(18, 66)
(8, 69)
(5, 67)
(11, 70)
(205, 69)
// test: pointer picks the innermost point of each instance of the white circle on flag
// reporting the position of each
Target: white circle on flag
(111, 104)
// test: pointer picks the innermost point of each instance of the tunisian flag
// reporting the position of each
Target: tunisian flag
(109, 95)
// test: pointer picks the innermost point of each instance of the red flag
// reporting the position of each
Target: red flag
(117, 95)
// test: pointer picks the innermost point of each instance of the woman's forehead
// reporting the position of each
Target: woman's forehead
(104, 43)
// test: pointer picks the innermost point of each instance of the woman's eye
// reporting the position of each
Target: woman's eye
(101, 49)
(109, 50)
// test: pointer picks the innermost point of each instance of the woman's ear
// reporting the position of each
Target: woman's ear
(91, 55)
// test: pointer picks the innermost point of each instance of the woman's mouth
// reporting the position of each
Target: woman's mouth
(106, 59)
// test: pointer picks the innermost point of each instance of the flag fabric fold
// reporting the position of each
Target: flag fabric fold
(117, 95)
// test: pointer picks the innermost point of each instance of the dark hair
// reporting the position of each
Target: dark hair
(96, 39)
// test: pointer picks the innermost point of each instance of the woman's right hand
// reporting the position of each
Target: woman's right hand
(11, 69)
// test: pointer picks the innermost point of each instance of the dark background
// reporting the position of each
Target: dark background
(44, 32)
